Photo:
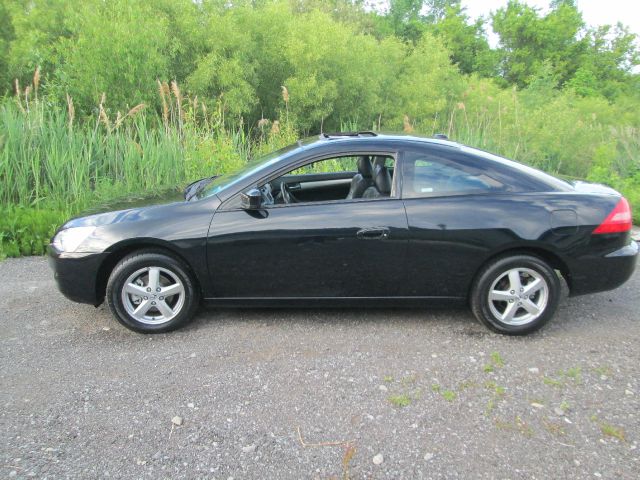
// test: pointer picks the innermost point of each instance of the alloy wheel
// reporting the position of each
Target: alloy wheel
(518, 296)
(153, 295)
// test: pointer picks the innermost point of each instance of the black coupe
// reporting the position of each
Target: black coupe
(356, 219)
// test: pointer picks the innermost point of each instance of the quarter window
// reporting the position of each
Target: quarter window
(430, 175)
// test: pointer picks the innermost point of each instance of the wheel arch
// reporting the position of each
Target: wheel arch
(120, 250)
(551, 258)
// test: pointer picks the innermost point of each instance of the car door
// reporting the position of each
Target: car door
(345, 248)
(453, 206)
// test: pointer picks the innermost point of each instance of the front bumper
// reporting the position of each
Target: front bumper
(598, 274)
(77, 274)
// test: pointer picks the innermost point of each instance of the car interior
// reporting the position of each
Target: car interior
(340, 178)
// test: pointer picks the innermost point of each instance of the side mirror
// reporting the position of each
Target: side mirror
(251, 200)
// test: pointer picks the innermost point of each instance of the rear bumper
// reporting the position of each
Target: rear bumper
(598, 274)
(76, 274)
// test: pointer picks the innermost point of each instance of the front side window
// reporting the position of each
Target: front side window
(345, 177)
(432, 174)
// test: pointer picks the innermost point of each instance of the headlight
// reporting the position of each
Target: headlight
(69, 239)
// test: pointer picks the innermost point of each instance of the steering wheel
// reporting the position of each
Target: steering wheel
(287, 197)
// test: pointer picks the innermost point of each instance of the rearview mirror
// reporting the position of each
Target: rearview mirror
(251, 200)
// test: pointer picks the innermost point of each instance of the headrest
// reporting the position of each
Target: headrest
(364, 167)
(382, 177)
(378, 162)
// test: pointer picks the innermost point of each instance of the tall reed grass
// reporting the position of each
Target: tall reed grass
(54, 165)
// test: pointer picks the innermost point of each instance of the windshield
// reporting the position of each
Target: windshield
(228, 179)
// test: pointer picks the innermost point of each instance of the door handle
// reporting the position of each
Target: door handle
(373, 233)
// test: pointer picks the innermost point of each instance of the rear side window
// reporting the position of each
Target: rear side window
(432, 174)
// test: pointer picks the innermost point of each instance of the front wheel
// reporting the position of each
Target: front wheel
(515, 295)
(150, 292)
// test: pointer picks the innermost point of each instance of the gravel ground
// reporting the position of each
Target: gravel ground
(315, 393)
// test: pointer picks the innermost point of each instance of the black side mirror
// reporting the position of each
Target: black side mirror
(251, 200)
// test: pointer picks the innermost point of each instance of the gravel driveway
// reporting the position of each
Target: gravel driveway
(315, 394)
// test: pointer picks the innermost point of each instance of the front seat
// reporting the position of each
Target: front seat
(381, 180)
(361, 180)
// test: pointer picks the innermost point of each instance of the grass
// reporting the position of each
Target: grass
(497, 359)
(498, 393)
(449, 395)
(612, 431)
(495, 388)
(401, 400)
(53, 167)
(517, 425)
(496, 362)
(573, 374)
(604, 370)
(552, 382)
(609, 430)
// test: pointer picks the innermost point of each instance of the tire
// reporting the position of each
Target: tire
(151, 292)
(524, 290)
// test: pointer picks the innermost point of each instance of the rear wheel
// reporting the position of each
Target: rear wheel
(515, 295)
(151, 292)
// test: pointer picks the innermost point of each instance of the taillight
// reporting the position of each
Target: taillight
(619, 220)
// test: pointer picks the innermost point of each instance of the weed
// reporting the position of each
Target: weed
(611, 431)
(518, 425)
(574, 373)
(553, 428)
(449, 395)
(497, 359)
(552, 382)
(349, 453)
(408, 380)
(467, 384)
(491, 404)
(603, 370)
(402, 400)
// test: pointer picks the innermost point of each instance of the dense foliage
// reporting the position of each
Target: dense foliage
(93, 106)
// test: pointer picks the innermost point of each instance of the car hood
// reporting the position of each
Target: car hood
(128, 209)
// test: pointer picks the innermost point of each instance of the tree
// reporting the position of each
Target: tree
(466, 41)
(608, 63)
(527, 40)
(6, 37)
(405, 19)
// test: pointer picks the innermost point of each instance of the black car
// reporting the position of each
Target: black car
(355, 219)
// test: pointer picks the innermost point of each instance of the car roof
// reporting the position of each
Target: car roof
(374, 137)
